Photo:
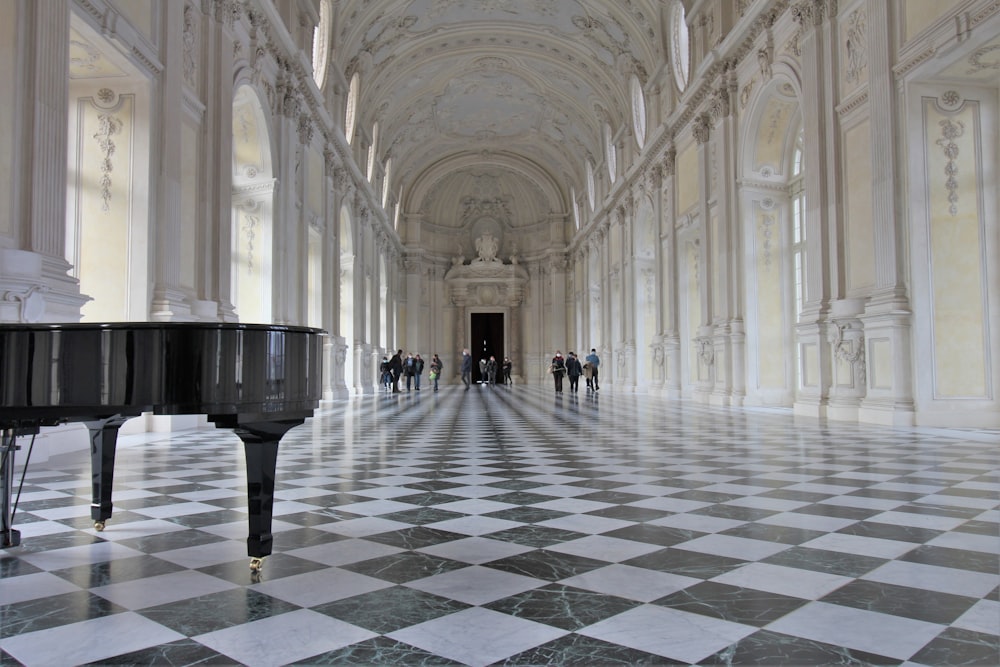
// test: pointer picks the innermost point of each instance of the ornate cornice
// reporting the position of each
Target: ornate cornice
(859, 99)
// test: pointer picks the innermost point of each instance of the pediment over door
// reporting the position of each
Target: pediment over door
(486, 283)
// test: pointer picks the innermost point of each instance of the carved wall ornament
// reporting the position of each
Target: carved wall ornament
(746, 92)
(706, 350)
(108, 127)
(857, 52)
(951, 130)
(950, 100)
(701, 128)
(852, 351)
(670, 161)
(189, 41)
(768, 227)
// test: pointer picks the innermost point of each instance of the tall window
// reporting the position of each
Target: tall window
(321, 43)
(352, 109)
(680, 48)
(798, 199)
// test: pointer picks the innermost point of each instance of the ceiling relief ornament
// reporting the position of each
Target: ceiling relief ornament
(976, 63)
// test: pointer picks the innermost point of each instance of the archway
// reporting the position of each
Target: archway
(252, 206)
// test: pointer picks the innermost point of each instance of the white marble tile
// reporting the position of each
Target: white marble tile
(674, 634)
(585, 523)
(475, 584)
(33, 586)
(475, 506)
(630, 582)
(984, 616)
(343, 552)
(935, 578)
(860, 629)
(611, 549)
(572, 505)
(989, 544)
(283, 639)
(88, 641)
(61, 559)
(475, 550)
(362, 527)
(474, 525)
(860, 544)
(162, 589)
(477, 637)
(320, 586)
(927, 521)
(792, 581)
(734, 547)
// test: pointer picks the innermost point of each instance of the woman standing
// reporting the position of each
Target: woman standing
(436, 366)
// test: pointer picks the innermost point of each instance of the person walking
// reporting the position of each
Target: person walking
(409, 369)
(418, 370)
(573, 371)
(558, 369)
(396, 367)
(595, 362)
(385, 374)
(507, 367)
(491, 371)
(466, 368)
(436, 366)
(588, 375)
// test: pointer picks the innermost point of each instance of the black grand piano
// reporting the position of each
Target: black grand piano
(258, 380)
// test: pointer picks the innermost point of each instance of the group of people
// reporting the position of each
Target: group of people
(411, 368)
(488, 369)
(571, 367)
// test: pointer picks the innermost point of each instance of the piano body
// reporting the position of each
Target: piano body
(258, 380)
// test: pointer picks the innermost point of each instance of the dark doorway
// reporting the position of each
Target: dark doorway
(487, 340)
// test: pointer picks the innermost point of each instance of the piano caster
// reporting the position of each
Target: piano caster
(98, 526)
(256, 565)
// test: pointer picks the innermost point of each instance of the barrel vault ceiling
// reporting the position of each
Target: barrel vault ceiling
(494, 98)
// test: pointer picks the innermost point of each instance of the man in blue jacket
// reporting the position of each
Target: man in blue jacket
(594, 362)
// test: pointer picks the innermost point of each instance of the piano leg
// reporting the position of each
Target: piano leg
(260, 442)
(8, 536)
(103, 444)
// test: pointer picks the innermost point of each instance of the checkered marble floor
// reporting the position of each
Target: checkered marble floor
(511, 526)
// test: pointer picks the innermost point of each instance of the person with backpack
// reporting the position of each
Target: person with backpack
(573, 371)
(436, 366)
(558, 370)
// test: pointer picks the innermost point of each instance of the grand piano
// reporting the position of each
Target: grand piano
(258, 380)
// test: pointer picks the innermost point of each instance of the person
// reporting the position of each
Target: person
(396, 367)
(385, 377)
(436, 366)
(558, 369)
(573, 371)
(491, 370)
(418, 370)
(595, 362)
(409, 369)
(466, 368)
(482, 371)
(507, 367)
(588, 375)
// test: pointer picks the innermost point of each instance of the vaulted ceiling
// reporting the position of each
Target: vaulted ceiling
(479, 97)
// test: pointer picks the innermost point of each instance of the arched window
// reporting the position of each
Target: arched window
(610, 153)
(372, 153)
(576, 208)
(680, 46)
(350, 120)
(797, 197)
(591, 188)
(638, 111)
(321, 43)
(385, 182)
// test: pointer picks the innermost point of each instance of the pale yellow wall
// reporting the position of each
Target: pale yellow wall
(919, 14)
(860, 260)
(956, 253)
(770, 321)
(687, 178)
(102, 264)
(190, 178)
(8, 42)
(880, 363)
(140, 14)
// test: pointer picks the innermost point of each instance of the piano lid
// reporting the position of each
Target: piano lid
(88, 370)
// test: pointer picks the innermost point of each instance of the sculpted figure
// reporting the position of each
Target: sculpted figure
(486, 246)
